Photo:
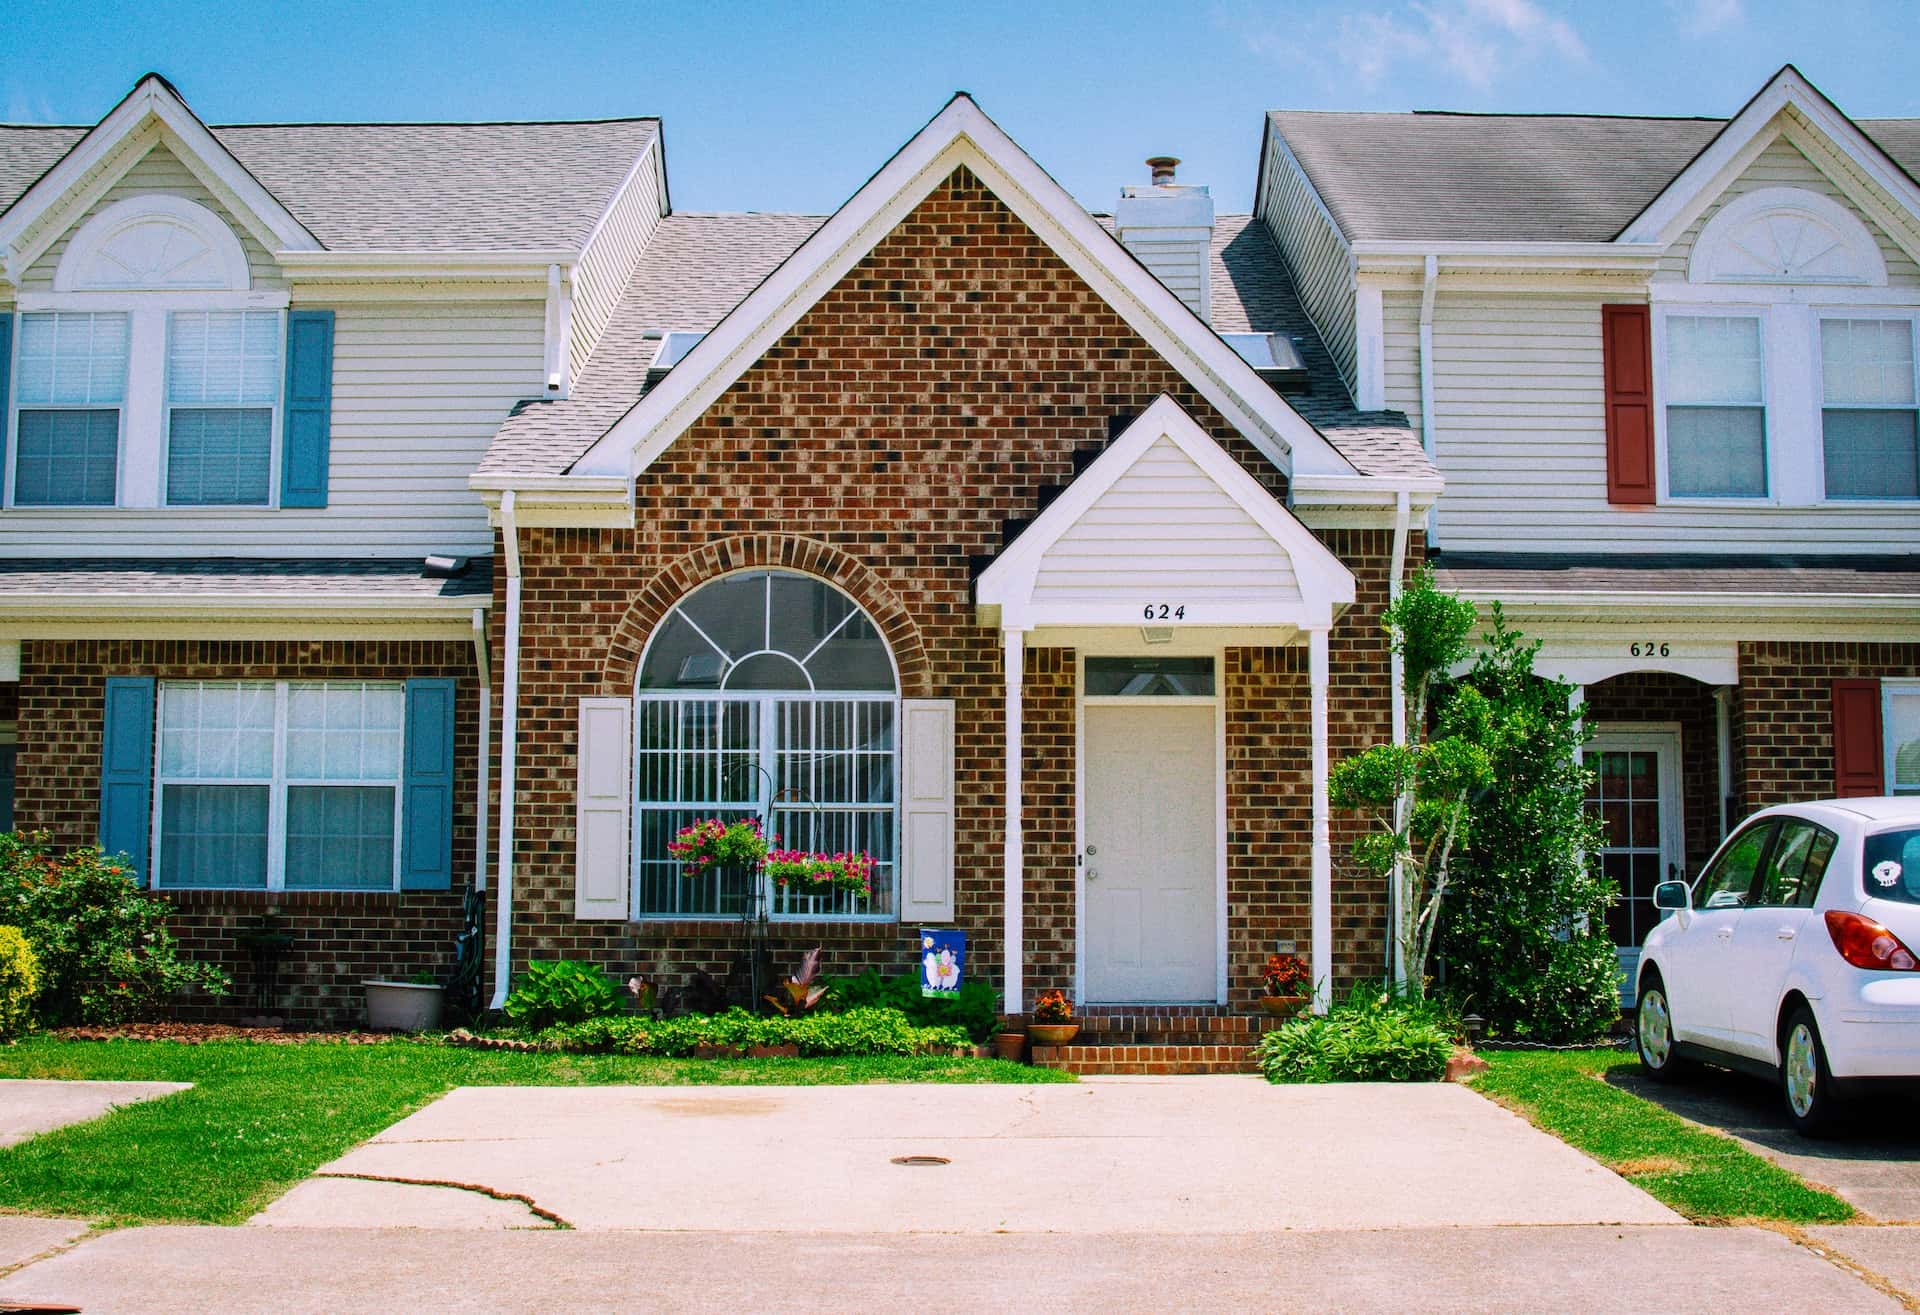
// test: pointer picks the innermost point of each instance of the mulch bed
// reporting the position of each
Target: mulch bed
(193, 1034)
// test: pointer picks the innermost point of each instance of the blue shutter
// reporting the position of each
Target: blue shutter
(126, 769)
(309, 408)
(426, 805)
(6, 377)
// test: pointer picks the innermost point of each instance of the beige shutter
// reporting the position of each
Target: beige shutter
(926, 810)
(603, 809)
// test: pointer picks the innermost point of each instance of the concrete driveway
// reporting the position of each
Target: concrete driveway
(1873, 1165)
(1117, 1155)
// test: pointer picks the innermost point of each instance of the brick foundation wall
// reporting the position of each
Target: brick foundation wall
(1048, 754)
(339, 938)
(1660, 696)
(1786, 712)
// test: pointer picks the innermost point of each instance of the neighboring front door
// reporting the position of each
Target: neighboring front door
(1151, 863)
(1636, 795)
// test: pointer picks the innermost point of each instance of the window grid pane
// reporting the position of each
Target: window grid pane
(72, 358)
(343, 731)
(340, 837)
(1867, 362)
(67, 459)
(1713, 360)
(214, 836)
(218, 457)
(223, 358)
(1716, 452)
(1871, 454)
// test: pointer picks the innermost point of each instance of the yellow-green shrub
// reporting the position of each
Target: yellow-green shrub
(19, 981)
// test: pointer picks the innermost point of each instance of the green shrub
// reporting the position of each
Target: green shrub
(1374, 1036)
(976, 1006)
(855, 1032)
(19, 982)
(105, 953)
(555, 992)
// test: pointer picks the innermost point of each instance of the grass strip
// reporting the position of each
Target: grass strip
(1705, 1175)
(262, 1117)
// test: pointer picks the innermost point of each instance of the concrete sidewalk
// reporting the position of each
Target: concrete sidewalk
(31, 1106)
(1114, 1155)
(1572, 1271)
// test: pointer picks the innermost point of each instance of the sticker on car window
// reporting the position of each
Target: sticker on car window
(1887, 873)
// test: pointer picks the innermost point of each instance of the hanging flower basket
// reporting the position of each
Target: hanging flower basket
(821, 874)
(710, 843)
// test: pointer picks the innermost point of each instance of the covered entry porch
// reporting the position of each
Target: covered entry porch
(1174, 619)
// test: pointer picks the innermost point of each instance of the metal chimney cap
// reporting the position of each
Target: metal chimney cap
(1162, 167)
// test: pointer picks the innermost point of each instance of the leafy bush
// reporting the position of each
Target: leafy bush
(975, 1006)
(19, 982)
(555, 992)
(105, 953)
(1373, 1036)
(855, 1032)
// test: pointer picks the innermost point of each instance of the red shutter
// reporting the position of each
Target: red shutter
(1627, 348)
(1857, 757)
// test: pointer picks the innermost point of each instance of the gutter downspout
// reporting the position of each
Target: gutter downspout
(484, 668)
(1397, 675)
(509, 717)
(1429, 284)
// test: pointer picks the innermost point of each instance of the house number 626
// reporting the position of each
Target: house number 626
(1165, 612)
(1649, 649)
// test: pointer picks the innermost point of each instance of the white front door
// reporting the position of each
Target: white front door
(1636, 795)
(1150, 862)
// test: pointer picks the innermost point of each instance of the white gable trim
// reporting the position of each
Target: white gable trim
(152, 109)
(83, 266)
(1716, 245)
(962, 134)
(1008, 582)
(1749, 132)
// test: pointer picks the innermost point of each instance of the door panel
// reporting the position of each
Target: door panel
(1151, 866)
(1636, 795)
(1698, 955)
(1767, 934)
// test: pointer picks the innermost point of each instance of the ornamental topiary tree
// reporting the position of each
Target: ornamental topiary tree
(1524, 937)
(1416, 795)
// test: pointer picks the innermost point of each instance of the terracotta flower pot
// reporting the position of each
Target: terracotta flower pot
(1283, 1006)
(1009, 1045)
(1052, 1034)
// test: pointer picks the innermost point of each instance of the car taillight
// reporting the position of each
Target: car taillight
(1864, 943)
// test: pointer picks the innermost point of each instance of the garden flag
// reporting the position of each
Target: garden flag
(941, 954)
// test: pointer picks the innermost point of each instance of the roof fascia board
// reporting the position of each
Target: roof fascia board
(152, 100)
(1279, 140)
(1398, 255)
(1669, 214)
(365, 265)
(961, 134)
(1902, 227)
(1623, 604)
(1324, 579)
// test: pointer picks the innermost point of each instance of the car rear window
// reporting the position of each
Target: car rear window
(1893, 866)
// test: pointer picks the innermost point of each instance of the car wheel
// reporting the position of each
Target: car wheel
(1806, 1083)
(1653, 1032)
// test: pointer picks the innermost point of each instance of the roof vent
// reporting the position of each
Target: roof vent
(441, 567)
(1273, 356)
(672, 350)
(1162, 167)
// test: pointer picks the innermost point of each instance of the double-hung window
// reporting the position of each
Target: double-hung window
(1716, 410)
(1900, 728)
(279, 785)
(223, 383)
(1869, 417)
(71, 384)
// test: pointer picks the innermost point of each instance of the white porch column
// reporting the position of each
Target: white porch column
(1723, 739)
(1322, 827)
(1013, 1001)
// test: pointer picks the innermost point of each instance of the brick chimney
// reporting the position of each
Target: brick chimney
(1169, 226)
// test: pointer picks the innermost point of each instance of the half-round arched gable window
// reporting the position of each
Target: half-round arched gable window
(766, 694)
(1786, 235)
(153, 243)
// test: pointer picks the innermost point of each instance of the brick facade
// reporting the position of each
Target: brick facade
(1786, 721)
(339, 938)
(1661, 696)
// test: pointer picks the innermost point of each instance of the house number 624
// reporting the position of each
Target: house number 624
(1649, 649)
(1165, 612)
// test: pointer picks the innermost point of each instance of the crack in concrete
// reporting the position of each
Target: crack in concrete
(482, 1189)
(57, 1249)
(1841, 1261)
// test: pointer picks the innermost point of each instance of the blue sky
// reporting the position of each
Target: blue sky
(790, 107)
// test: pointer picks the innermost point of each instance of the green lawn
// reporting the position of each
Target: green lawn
(1704, 1175)
(262, 1117)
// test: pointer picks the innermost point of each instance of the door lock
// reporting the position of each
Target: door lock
(1092, 850)
(1092, 875)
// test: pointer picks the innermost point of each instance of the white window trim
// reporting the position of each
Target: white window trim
(1769, 449)
(141, 481)
(1821, 315)
(1892, 687)
(276, 795)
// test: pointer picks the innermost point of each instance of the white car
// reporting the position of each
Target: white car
(1793, 955)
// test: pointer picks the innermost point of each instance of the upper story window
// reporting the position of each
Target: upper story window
(1869, 435)
(1716, 407)
(151, 375)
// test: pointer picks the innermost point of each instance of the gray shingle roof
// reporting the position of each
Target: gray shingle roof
(410, 186)
(1507, 177)
(344, 579)
(698, 267)
(1495, 574)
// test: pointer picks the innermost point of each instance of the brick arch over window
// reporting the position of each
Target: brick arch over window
(767, 551)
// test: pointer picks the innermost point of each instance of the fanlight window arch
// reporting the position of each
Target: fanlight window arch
(1786, 235)
(153, 243)
(768, 694)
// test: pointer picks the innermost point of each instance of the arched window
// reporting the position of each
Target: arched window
(772, 694)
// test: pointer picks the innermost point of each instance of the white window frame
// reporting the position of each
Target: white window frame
(277, 788)
(1892, 688)
(15, 406)
(144, 408)
(1821, 316)
(1662, 388)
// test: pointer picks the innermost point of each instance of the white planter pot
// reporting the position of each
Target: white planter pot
(403, 1006)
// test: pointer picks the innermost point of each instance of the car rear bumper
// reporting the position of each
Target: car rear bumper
(1873, 1030)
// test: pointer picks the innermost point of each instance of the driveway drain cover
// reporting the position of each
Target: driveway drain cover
(921, 1161)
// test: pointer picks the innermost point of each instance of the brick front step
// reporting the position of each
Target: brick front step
(1101, 1029)
(1099, 1059)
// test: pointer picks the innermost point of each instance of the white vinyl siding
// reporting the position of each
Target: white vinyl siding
(419, 388)
(1166, 531)
(608, 261)
(1315, 253)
